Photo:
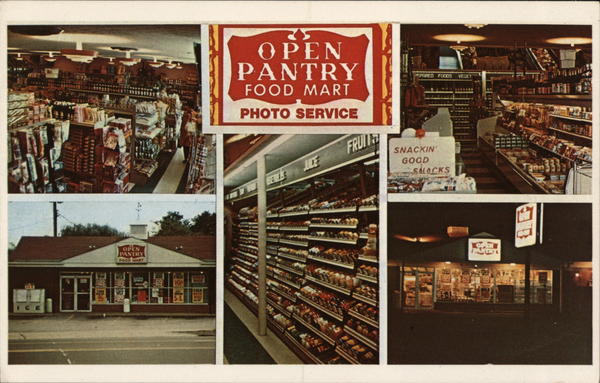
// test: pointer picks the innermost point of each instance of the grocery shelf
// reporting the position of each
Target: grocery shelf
(317, 306)
(345, 265)
(293, 213)
(368, 259)
(346, 356)
(367, 278)
(317, 332)
(334, 240)
(283, 293)
(290, 269)
(271, 239)
(328, 285)
(276, 325)
(571, 118)
(111, 93)
(291, 256)
(571, 133)
(333, 226)
(293, 228)
(279, 308)
(286, 281)
(363, 318)
(363, 339)
(333, 211)
(293, 242)
(301, 348)
(365, 299)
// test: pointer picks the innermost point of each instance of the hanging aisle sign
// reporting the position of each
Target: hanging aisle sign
(526, 225)
(298, 75)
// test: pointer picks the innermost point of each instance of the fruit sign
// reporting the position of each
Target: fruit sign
(299, 75)
(525, 225)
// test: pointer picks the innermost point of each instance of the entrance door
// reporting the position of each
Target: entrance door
(75, 293)
(418, 288)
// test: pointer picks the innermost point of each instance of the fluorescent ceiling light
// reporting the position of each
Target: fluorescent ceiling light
(459, 37)
(570, 40)
(50, 58)
(156, 64)
(128, 61)
(475, 26)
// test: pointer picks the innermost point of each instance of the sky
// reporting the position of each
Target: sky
(35, 218)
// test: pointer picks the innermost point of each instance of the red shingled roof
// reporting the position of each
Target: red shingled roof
(60, 248)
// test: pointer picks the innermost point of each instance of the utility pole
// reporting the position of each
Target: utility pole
(55, 217)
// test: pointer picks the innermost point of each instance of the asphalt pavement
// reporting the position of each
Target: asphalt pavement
(80, 339)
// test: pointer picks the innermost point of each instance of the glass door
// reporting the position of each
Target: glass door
(425, 296)
(75, 293)
(84, 296)
(67, 293)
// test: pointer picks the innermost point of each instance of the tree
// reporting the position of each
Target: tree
(204, 224)
(173, 224)
(91, 229)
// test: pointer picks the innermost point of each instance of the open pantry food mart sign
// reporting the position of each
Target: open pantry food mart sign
(291, 78)
(132, 253)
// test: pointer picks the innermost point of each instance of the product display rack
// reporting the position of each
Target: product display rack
(555, 129)
(453, 90)
(313, 304)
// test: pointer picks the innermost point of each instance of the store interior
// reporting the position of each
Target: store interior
(516, 98)
(319, 238)
(537, 297)
(106, 109)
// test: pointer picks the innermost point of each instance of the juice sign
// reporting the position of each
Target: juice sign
(300, 74)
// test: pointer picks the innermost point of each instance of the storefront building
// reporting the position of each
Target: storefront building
(494, 277)
(162, 274)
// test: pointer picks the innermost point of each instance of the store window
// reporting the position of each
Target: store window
(143, 287)
(465, 283)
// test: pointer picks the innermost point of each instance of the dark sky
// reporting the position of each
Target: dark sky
(567, 226)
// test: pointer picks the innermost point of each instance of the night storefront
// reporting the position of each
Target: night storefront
(455, 276)
(169, 274)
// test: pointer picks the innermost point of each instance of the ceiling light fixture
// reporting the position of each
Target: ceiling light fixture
(128, 61)
(50, 58)
(458, 47)
(459, 37)
(170, 65)
(178, 66)
(572, 41)
(475, 26)
(110, 61)
(79, 54)
(19, 57)
(156, 64)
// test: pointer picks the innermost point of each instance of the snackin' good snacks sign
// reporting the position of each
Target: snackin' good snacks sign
(300, 75)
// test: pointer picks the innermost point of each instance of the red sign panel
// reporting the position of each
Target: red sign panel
(131, 253)
(300, 74)
(526, 225)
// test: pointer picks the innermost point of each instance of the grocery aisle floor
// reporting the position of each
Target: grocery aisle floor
(487, 181)
(169, 182)
(243, 345)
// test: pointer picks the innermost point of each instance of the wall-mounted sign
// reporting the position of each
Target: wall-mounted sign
(525, 225)
(345, 150)
(131, 253)
(422, 157)
(299, 75)
(484, 249)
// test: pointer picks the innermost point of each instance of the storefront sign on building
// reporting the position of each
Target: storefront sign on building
(484, 249)
(422, 157)
(526, 225)
(299, 75)
(131, 253)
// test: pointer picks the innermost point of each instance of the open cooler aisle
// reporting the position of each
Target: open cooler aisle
(321, 257)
